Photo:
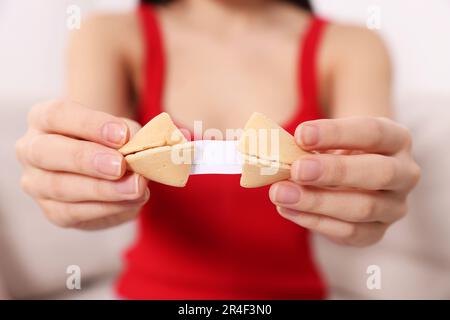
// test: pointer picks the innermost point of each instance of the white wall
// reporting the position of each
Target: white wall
(33, 34)
(416, 31)
(32, 38)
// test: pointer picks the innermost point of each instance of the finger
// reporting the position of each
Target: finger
(109, 221)
(355, 234)
(345, 205)
(21, 146)
(66, 214)
(67, 187)
(365, 171)
(71, 119)
(133, 126)
(376, 135)
(60, 153)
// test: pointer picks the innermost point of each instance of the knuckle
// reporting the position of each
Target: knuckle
(339, 172)
(26, 184)
(56, 213)
(69, 216)
(358, 235)
(79, 156)
(332, 132)
(98, 189)
(375, 127)
(55, 186)
(127, 216)
(387, 175)
(46, 117)
(46, 114)
(350, 233)
(315, 222)
(367, 210)
(19, 148)
(131, 214)
(60, 221)
(406, 137)
(402, 210)
(32, 153)
(35, 113)
(380, 232)
(312, 201)
(416, 173)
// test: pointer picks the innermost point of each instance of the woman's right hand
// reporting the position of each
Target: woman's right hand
(72, 168)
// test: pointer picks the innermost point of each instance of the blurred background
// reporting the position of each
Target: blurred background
(414, 257)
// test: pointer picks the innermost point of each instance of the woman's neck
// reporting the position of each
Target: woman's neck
(228, 15)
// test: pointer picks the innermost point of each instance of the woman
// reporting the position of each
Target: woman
(218, 61)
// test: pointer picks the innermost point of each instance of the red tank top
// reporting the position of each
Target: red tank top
(213, 239)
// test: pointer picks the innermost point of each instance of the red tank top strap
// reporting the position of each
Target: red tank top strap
(154, 63)
(308, 78)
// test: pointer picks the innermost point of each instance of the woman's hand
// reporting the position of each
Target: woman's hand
(357, 186)
(72, 167)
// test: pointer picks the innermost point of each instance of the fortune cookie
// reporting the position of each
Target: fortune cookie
(268, 152)
(160, 152)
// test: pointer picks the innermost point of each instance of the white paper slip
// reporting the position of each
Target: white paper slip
(216, 156)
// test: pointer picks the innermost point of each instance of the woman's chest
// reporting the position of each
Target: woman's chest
(222, 83)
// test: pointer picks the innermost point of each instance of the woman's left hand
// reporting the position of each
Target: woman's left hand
(356, 186)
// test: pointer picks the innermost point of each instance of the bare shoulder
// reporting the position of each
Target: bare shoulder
(117, 35)
(102, 62)
(358, 71)
(353, 45)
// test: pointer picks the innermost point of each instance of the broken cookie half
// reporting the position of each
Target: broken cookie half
(160, 152)
(263, 155)
(268, 152)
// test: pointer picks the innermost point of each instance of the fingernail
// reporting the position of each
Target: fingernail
(308, 135)
(147, 194)
(114, 132)
(306, 170)
(108, 164)
(285, 194)
(128, 185)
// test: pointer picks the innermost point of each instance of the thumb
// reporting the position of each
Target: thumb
(133, 126)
